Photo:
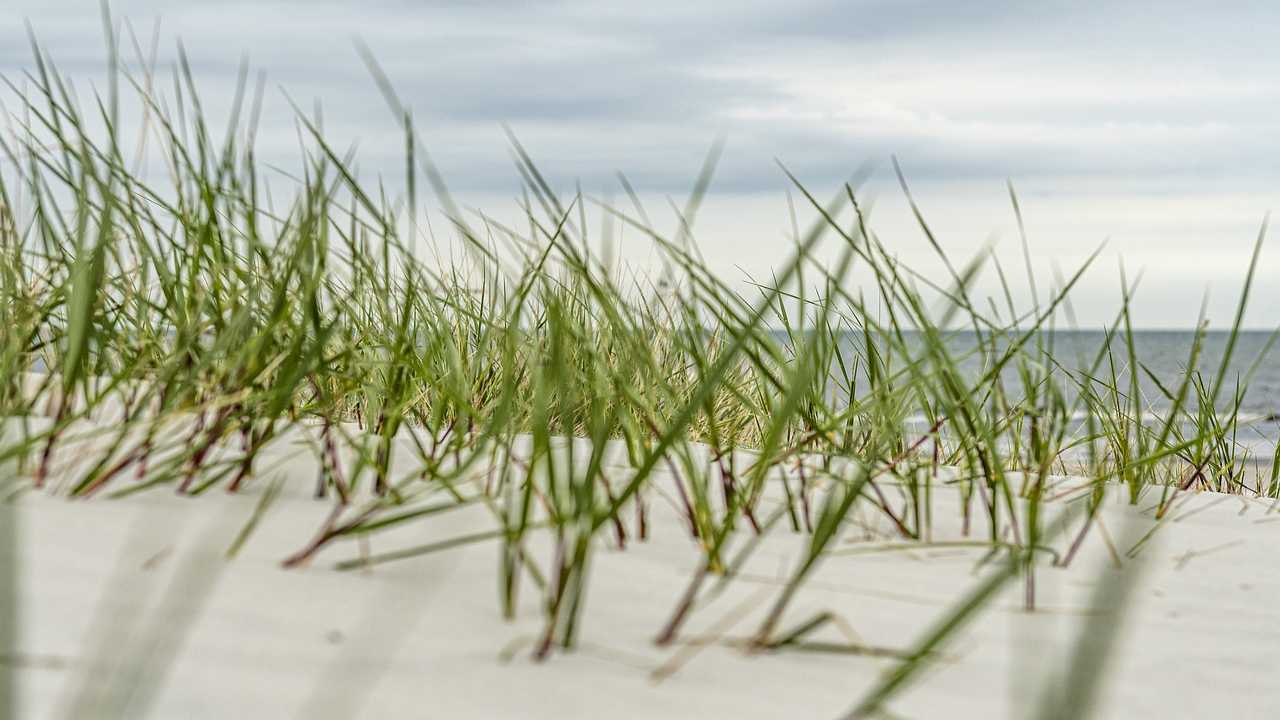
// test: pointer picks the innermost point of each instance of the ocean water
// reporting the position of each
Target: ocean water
(1253, 371)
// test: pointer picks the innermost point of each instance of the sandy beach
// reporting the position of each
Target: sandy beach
(424, 637)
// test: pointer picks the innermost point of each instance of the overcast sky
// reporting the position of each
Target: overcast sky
(1150, 125)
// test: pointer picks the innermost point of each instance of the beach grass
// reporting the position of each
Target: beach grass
(165, 333)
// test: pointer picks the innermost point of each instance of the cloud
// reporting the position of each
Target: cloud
(1141, 101)
(968, 90)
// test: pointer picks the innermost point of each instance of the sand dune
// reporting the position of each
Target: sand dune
(130, 603)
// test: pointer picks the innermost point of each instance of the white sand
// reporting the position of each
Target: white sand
(424, 637)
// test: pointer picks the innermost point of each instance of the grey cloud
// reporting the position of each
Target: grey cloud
(598, 90)
(1142, 98)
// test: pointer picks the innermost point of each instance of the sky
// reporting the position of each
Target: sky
(1146, 128)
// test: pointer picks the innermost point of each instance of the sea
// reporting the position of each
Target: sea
(1253, 372)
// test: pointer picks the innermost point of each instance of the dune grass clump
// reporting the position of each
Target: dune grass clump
(165, 334)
